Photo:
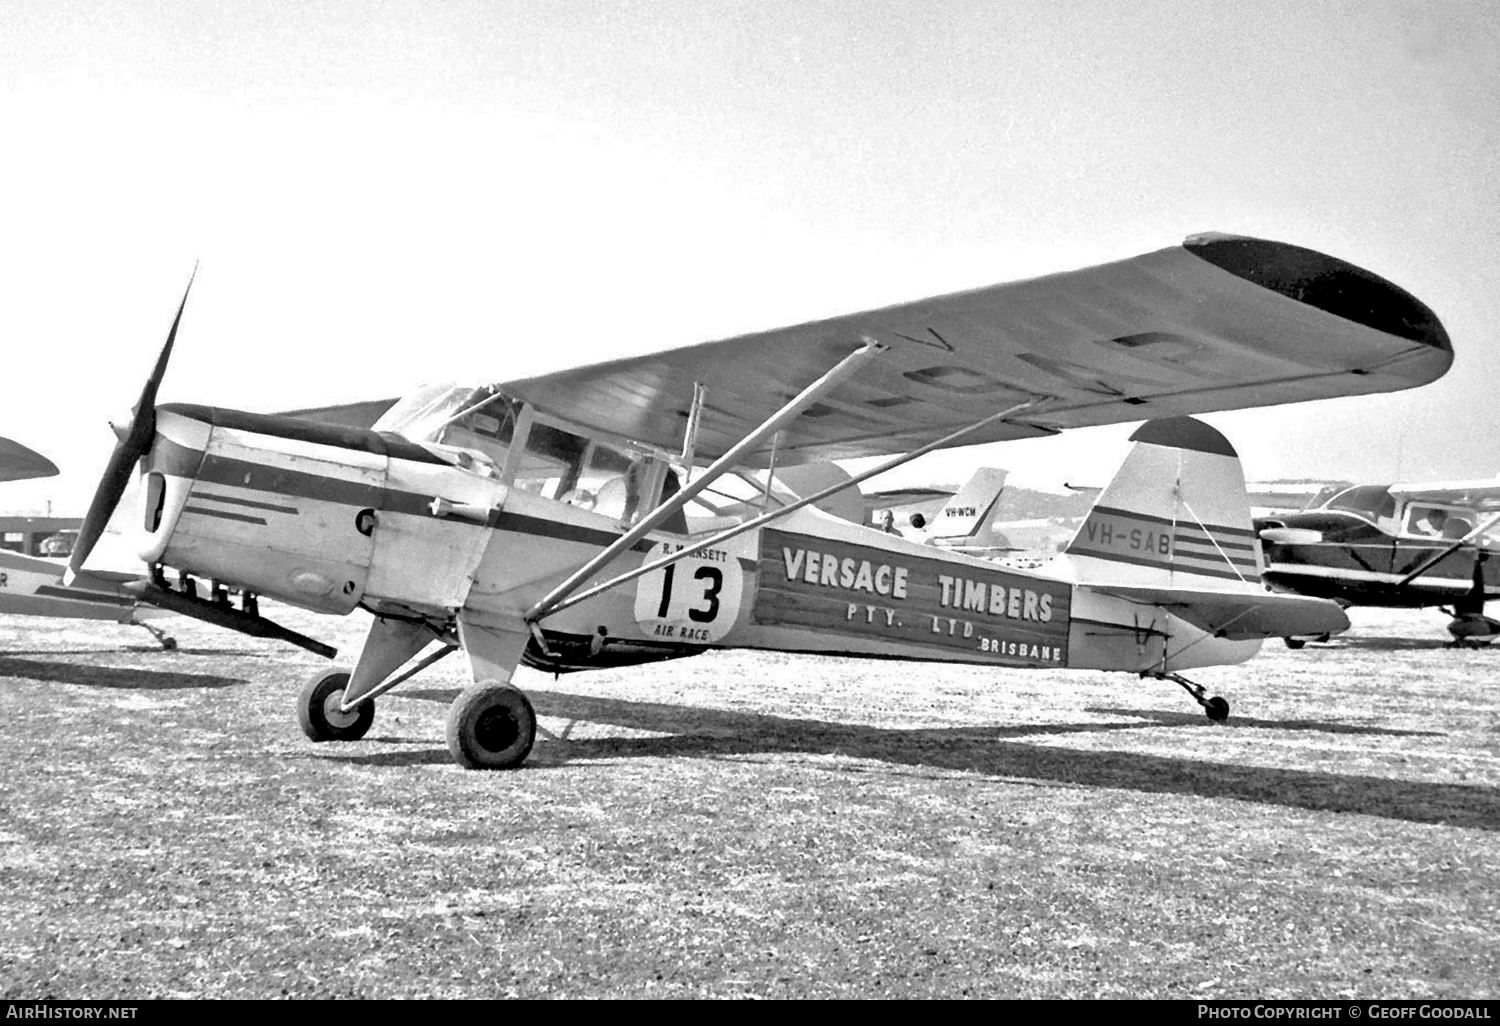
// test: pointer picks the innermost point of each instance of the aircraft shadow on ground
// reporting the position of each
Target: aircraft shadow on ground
(111, 676)
(1236, 721)
(697, 731)
(1389, 645)
(238, 653)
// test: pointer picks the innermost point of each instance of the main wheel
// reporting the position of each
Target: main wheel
(319, 712)
(1294, 643)
(491, 726)
(1216, 709)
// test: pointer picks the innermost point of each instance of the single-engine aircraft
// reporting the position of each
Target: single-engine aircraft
(455, 518)
(928, 509)
(33, 586)
(1399, 545)
(963, 522)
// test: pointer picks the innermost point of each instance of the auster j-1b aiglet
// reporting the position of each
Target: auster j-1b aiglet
(628, 512)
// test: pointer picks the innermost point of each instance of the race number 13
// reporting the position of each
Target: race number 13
(695, 599)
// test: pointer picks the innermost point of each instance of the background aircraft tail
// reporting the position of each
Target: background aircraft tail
(970, 513)
(1176, 514)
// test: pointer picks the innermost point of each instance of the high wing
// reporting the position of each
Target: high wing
(1480, 494)
(18, 463)
(1218, 322)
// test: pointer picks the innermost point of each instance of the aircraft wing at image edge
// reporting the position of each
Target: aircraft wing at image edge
(18, 463)
(1219, 322)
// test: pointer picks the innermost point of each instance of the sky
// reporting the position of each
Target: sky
(382, 194)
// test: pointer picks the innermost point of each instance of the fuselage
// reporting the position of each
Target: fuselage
(334, 518)
(1341, 555)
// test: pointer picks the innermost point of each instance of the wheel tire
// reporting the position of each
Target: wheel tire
(1294, 643)
(491, 726)
(169, 644)
(1216, 709)
(319, 714)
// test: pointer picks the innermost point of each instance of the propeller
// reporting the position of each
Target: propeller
(135, 438)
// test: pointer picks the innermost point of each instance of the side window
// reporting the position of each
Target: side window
(553, 461)
(1437, 522)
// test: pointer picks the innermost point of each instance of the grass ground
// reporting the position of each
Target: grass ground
(752, 824)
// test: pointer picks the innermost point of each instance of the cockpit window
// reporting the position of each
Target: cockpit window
(428, 415)
(1438, 522)
(1372, 502)
(590, 474)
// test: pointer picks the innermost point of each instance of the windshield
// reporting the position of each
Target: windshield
(427, 415)
(1371, 502)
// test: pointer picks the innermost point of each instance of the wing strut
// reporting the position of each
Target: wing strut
(731, 459)
(776, 514)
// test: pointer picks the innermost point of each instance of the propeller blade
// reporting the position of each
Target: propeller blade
(135, 442)
(111, 486)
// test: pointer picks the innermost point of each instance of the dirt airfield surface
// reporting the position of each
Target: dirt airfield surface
(744, 824)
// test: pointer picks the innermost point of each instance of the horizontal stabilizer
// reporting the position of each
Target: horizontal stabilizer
(1240, 617)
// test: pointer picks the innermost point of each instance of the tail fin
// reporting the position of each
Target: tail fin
(970, 513)
(1175, 514)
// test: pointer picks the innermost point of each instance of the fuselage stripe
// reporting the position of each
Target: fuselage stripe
(246, 502)
(297, 484)
(1176, 566)
(222, 515)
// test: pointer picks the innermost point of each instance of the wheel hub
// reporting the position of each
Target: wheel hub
(496, 730)
(335, 715)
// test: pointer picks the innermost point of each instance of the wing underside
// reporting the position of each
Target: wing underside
(18, 463)
(1217, 323)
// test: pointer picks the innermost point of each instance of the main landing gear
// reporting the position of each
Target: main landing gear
(1214, 707)
(490, 726)
(1471, 629)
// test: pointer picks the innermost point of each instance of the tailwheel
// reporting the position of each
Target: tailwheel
(491, 726)
(319, 709)
(1214, 707)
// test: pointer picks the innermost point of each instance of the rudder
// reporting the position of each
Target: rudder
(1175, 513)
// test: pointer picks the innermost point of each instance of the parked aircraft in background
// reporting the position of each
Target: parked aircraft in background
(1401, 545)
(459, 518)
(963, 522)
(33, 586)
(1268, 497)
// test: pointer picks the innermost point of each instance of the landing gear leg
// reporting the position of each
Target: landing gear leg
(165, 640)
(1214, 707)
